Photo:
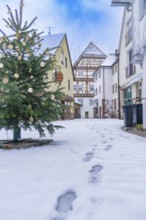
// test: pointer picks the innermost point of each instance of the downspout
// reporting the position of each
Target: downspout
(103, 94)
(119, 95)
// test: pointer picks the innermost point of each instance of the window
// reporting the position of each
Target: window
(115, 104)
(128, 36)
(99, 73)
(80, 73)
(80, 87)
(75, 87)
(116, 68)
(130, 68)
(80, 101)
(66, 62)
(68, 84)
(113, 70)
(91, 102)
(96, 91)
(116, 87)
(142, 7)
(113, 88)
(62, 57)
(99, 89)
(91, 88)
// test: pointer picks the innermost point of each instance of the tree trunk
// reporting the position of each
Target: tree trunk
(16, 133)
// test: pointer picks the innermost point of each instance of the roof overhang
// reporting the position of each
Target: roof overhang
(124, 3)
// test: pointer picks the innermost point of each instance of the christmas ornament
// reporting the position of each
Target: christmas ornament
(16, 75)
(27, 50)
(52, 97)
(1, 65)
(19, 57)
(42, 64)
(29, 106)
(30, 90)
(30, 70)
(31, 119)
(24, 43)
(5, 80)
(10, 46)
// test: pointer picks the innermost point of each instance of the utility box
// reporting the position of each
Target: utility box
(128, 111)
(133, 115)
(139, 114)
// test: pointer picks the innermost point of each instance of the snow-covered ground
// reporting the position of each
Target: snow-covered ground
(93, 170)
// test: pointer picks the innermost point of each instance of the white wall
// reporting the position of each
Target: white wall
(85, 107)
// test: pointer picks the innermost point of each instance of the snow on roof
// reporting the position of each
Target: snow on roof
(110, 60)
(51, 41)
(92, 50)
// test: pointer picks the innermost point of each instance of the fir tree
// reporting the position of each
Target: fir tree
(25, 98)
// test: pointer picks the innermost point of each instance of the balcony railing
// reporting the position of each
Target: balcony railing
(130, 70)
(128, 36)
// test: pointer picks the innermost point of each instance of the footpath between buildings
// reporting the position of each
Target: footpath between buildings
(140, 132)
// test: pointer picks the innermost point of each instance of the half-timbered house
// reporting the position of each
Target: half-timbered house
(90, 59)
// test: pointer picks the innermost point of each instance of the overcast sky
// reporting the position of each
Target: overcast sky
(82, 20)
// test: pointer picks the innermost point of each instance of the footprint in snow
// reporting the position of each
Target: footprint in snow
(88, 156)
(95, 174)
(64, 202)
(108, 147)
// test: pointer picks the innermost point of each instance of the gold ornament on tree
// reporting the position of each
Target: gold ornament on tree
(31, 119)
(16, 75)
(17, 35)
(24, 43)
(30, 90)
(42, 64)
(29, 106)
(19, 58)
(1, 65)
(5, 80)
(10, 46)
(52, 97)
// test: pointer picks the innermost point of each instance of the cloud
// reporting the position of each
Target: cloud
(82, 20)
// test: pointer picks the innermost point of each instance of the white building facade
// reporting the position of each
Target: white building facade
(105, 88)
(132, 53)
